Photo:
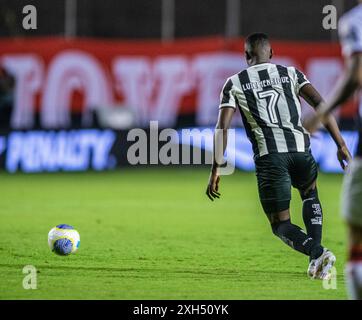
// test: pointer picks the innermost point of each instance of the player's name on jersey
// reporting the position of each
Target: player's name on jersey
(264, 83)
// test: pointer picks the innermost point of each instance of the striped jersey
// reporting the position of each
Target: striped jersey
(267, 96)
(350, 34)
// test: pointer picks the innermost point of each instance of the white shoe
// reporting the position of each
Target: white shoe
(311, 268)
(320, 268)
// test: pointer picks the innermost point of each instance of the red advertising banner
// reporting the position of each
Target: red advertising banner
(158, 81)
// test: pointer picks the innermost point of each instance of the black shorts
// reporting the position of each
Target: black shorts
(277, 172)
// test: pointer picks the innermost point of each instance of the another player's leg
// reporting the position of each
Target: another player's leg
(352, 211)
(354, 264)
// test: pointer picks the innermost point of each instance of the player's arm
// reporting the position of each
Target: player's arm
(220, 144)
(314, 99)
(351, 80)
(350, 35)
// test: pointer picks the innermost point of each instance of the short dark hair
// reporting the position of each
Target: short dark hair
(256, 39)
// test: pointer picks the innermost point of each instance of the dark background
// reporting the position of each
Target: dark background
(134, 19)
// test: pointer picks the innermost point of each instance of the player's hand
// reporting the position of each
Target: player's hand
(344, 157)
(212, 190)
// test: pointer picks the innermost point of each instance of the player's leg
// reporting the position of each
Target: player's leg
(274, 185)
(354, 264)
(304, 172)
(352, 211)
(313, 218)
(293, 235)
(312, 212)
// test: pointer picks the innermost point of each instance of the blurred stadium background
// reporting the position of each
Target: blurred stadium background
(121, 64)
(71, 90)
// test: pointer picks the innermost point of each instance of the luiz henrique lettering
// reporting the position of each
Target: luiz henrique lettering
(264, 83)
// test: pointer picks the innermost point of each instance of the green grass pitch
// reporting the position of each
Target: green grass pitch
(152, 234)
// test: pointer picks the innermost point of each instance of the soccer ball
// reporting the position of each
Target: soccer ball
(63, 239)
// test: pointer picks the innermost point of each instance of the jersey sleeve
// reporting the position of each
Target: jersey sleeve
(227, 99)
(300, 80)
(350, 35)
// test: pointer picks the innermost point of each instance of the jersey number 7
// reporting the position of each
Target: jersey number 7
(271, 97)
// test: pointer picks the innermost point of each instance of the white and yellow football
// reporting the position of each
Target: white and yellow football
(63, 239)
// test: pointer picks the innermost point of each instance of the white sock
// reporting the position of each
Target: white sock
(353, 273)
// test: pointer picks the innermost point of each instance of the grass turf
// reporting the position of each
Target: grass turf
(153, 234)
